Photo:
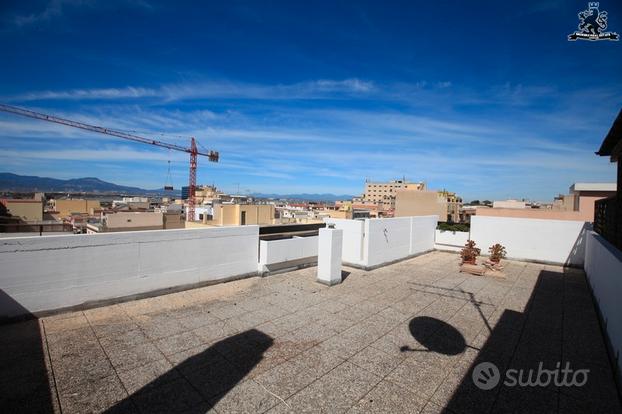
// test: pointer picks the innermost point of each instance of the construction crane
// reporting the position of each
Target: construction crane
(212, 156)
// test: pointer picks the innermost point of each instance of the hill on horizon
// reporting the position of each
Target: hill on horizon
(31, 183)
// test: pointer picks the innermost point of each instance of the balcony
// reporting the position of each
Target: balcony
(400, 338)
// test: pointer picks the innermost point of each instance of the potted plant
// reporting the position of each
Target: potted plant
(497, 252)
(469, 252)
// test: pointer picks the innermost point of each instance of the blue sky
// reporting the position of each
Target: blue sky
(487, 99)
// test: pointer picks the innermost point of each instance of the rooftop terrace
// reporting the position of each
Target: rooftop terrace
(400, 338)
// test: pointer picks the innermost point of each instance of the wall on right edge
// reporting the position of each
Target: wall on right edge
(603, 267)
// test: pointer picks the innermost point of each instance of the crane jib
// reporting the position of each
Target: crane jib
(213, 156)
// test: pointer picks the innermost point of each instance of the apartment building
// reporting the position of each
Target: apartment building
(238, 215)
(127, 221)
(385, 192)
(444, 204)
(25, 210)
(453, 203)
(202, 194)
(577, 205)
(66, 208)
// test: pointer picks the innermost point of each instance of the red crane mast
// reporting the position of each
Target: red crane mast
(212, 156)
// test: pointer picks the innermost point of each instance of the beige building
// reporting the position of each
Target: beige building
(534, 213)
(385, 193)
(173, 220)
(241, 214)
(339, 214)
(66, 208)
(26, 210)
(586, 194)
(205, 193)
(420, 203)
(578, 205)
(454, 204)
(563, 202)
(446, 205)
(127, 221)
(509, 204)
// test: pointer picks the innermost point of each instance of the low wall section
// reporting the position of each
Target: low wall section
(52, 272)
(549, 241)
(353, 237)
(450, 240)
(297, 251)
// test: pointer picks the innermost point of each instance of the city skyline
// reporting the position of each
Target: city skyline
(366, 92)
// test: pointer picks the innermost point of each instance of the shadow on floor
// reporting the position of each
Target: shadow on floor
(200, 381)
(24, 384)
(557, 326)
(425, 330)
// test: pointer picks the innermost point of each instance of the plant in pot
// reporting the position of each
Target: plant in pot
(497, 252)
(469, 252)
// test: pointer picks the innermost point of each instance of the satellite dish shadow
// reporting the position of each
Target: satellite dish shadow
(436, 336)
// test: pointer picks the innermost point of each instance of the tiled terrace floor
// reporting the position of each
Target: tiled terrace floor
(402, 338)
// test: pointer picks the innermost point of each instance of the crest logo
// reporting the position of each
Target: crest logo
(592, 22)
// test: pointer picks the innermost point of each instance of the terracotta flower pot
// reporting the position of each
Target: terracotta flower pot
(469, 261)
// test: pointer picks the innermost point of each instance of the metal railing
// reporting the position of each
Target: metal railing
(608, 220)
(40, 228)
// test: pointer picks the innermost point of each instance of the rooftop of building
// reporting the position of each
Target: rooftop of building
(401, 338)
(592, 187)
(399, 181)
(20, 200)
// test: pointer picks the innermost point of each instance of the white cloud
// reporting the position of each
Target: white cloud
(315, 89)
(288, 146)
(88, 94)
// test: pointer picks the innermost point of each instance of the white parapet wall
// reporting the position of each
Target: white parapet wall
(373, 242)
(603, 267)
(392, 239)
(297, 250)
(353, 238)
(548, 241)
(53, 272)
(422, 235)
(450, 240)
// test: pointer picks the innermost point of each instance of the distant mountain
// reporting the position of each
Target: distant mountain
(305, 196)
(25, 183)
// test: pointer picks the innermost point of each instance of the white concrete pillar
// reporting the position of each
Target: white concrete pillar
(329, 256)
